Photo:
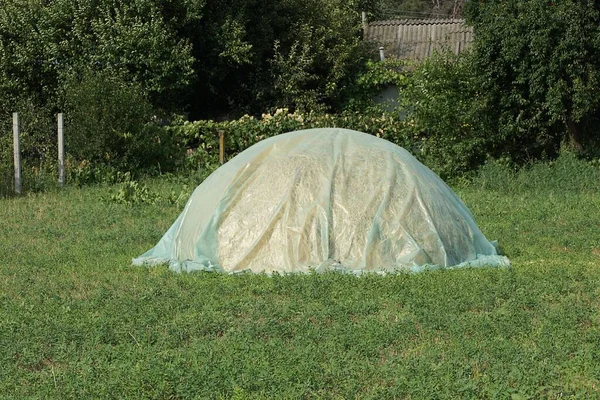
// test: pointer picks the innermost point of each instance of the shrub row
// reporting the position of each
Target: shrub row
(201, 138)
(441, 116)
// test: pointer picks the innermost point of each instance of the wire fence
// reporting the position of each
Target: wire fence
(15, 182)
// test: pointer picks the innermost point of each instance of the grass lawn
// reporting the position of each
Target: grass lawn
(78, 321)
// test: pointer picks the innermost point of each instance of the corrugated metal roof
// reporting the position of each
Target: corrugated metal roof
(417, 39)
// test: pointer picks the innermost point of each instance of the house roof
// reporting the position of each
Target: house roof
(417, 39)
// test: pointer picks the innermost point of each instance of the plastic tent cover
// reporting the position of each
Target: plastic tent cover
(323, 199)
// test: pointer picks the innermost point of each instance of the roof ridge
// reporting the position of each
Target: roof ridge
(419, 21)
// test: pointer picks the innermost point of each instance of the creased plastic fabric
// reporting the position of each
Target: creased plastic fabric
(323, 199)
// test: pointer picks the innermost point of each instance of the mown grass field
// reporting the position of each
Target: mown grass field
(78, 321)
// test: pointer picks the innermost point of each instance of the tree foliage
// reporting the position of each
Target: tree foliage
(208, 57)
(422, 8)
(113, 65)
(43, 43)
(104, 114)
(255, 56)
(538, 66)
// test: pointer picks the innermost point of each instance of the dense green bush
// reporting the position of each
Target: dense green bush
(202, 137)
(103, 111)
(314, 68)
(253, 57)
(109, 127)
(537, 65)
(6, 165)
(111, 65)
(376, 77)
(438, 110)
(210, 58)
(44, 43)
(447, 118)
(528, 86)
(393, 9)
(109, 123)
(48, 51)
(443, 106)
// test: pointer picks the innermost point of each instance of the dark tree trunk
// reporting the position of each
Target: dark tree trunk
(575, 138)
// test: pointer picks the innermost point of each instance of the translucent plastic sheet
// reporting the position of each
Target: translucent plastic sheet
(323, 199)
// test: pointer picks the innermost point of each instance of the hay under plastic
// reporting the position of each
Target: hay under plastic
(323, 199)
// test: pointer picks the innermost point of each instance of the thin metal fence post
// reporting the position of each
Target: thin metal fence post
(17, 152)
(61, 149)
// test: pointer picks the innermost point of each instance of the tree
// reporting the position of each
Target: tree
(538, 64)
(43, 43)
(293, 53)
(421, 8)
(208, 57)
(107, 64)
(314, 67)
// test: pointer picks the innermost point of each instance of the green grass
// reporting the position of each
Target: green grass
(78, 321)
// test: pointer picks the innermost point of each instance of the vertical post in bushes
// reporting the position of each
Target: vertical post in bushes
(221, 147)
(17, 152)
(381, 54)
(61, 149)
(364, 23)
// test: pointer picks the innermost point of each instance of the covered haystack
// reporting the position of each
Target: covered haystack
(323, 199)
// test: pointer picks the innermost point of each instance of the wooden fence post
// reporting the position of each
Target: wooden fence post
(61, 149)
(221, 147)
(17, 152)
